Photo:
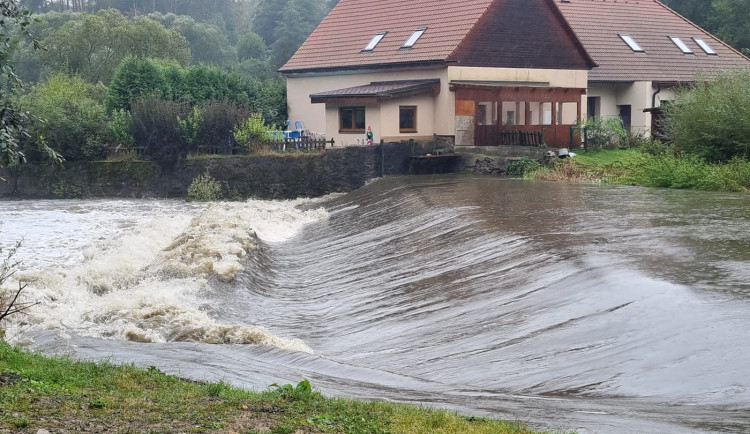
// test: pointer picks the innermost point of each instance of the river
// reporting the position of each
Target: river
(582, 307)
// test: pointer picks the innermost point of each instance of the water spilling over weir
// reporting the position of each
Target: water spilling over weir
(576, 307)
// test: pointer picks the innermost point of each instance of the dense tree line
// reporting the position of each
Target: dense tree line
(166, 75)
(727, 19)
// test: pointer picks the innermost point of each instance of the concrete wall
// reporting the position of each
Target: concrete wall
(271, 177)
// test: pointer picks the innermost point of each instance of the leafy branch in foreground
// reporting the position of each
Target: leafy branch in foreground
(15, 123)
(10, 303)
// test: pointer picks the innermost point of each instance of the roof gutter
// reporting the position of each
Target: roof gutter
(358, 69)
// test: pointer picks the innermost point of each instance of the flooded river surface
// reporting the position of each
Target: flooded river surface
(569, 306)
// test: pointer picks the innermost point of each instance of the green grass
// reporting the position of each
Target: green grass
(38, 392)
(605, 157)
(632, 167)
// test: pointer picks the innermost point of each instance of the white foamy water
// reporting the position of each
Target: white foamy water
(142, 271)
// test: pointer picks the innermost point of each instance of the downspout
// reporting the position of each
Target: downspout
(653, 97)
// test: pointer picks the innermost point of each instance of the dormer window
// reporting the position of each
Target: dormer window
(681, 45)
(632, 44)
(374, 41)
(704, 46)
(414, 38)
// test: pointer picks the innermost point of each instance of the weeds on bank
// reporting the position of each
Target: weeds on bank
(652, 167)
(40, 392)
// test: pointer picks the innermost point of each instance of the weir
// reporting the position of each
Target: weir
(569, 306)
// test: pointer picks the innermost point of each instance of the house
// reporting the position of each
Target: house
(489, 72)
(644, 51)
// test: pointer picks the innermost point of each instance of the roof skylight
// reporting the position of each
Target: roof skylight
(704, 46)
(374, 41)
(681, 45)
(632, 44)
(414, 38)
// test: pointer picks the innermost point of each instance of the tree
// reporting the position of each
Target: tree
(208, 42)
(731, 19)
(298, 20)
(712, 119)
(251, 46)
(697, 11)
(14, 122)
(135, 77)
(75, 119)
(93, 45)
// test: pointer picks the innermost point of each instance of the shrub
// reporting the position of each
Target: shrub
(156, 127)
(218, 118)
(712, 119)
(602, 133)
(120, 127)
(731, 176)
(522, 167)
(251, 133)
(190, 126)
(204, 188)
(655, 147)
(76, 122)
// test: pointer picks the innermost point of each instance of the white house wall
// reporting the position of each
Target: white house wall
(638, 95)
(317, 118)
(551, 77)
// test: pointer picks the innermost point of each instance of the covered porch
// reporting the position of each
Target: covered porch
(503, 114)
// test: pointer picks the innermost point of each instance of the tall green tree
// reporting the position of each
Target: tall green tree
(14, 123)
(93, 45)
(697, 11)
(731, 19)
(208, 42)
(135, 77)
(298, 20)
(251, 46)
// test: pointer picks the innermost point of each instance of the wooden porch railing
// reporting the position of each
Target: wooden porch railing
(521, 138)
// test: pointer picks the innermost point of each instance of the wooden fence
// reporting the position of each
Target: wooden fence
(302, 144)
(521, 138)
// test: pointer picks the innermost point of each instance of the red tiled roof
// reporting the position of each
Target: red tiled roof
(340, 38)
(381, 90)
(598, 23)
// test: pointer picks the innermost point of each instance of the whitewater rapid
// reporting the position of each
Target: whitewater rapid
(144, 272)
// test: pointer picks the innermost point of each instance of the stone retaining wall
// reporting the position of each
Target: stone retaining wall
(270, 177)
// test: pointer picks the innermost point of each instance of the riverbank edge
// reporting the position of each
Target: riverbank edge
(59, 394)
(638, 168)
(273, 176)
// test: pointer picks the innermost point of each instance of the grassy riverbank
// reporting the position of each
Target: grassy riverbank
(61, 395)
(635, 167)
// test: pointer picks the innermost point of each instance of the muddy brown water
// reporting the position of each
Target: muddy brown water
(581, 307)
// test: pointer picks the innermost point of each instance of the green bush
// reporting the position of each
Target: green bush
(204, 188)
(712, 119)
(156, 127)
(731, 176)
(134, 78)
(655, 147)
(251, 133)
(689, 171)
(120, 127)
(190, 126)
(218, 119)
(76, 123)
(522, 167)
(605, 133)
